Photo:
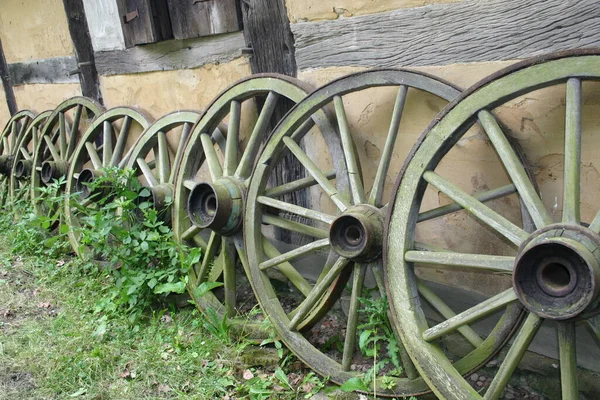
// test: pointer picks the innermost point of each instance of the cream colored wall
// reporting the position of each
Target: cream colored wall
(4, 113)
(34, 29)
(159, 93)
(41, 97)
(314, 10)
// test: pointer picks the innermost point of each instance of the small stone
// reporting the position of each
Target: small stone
(482, 378)
(509, 396)
(479, 383)
(492, 364)
(474, 377)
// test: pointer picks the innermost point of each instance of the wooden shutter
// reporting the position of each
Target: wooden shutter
(144, 21)
(195, 18)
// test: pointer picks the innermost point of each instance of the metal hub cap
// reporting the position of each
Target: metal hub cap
(557, 272)
(85, 180)
(23, 169)
(358, 233)
(53, 170)
(217, 206)
(5, 164)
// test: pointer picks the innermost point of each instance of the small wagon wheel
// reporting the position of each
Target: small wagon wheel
(13, 131)
(105, 144)
(553, 272)
(156, 154)
(55, 148)
(20, 178)
(349, 233)
(211, 184)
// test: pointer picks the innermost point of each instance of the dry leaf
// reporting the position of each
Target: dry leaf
(164, 388)
(248, 374)
(44, 304)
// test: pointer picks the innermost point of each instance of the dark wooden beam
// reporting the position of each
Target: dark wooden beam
(48, 70)
(84, 52)
(11, 102)
(267, 32)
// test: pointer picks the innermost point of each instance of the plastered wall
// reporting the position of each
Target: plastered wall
(314, 10)
(41, 97)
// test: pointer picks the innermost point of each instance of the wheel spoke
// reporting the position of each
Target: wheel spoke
(294, 226)
(262, 123)
(572, 177)
(192, 234)
(13, 136)
(296, 185)
(568, 360)
(164, 167)
(62, 135)
(482, 197)
(233, 139)
(74, 130)
(5, 145)
(478, 209)
(287, 269)
(356, 185)
(515, 169)
(484, 263)
(593, 324)
(514, 355)
(121, 141)
(292, 208)
(107, 143)
(214, 243)
(318, 291)
(214, 166)
(25, 153)
(388, 149)
(293, 254)
(189, 184)
(315, 171)
(227, 252)
(94, 156)
(152, 182)
(185, 133)
(350, 339)
(472, 314)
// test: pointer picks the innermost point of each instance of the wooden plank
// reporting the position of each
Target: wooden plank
(468, 31)
(84, 52)
(144, 21)
(195, 18)
(49, 70)
(267, 32)
(104, 23)
(171, 55)
(11, 102)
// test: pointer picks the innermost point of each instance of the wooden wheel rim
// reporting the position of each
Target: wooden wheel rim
(441, 375)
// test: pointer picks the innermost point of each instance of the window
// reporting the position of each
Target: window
(149, 21)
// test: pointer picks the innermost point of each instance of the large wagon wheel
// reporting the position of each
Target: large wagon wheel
(553, 272)
(20, 178)
(156, 155)
(348, 234)
(212, 179)
(55, 149)
(105, 144)
(13, 131)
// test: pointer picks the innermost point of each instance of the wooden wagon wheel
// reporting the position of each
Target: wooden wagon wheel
(13, 131)
(553, 272)
(20, 178)
(212, 179)
(156, 155)
(55, 148)
(105, 144)
(349, 234)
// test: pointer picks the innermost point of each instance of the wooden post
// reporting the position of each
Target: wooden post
(11, 102)
(84, 52)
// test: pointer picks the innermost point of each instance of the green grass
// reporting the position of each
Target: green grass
(55, 344)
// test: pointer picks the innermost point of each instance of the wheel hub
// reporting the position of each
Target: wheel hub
(53, 170)
(358, 233)
(557, 272)
(85, 184)
(217, 206)
(161, 198)
(5, 164)
(23, 169)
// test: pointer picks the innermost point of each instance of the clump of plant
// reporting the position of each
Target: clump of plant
(131, 240)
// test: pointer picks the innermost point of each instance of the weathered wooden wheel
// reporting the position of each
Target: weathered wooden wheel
(104, 145)
(13, 131)
(20, 177)
(342, 232)
(55, 148)
(211, 184)
(156, 155)
(553, 272)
